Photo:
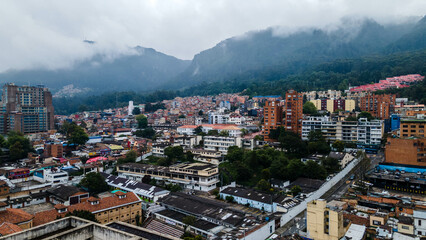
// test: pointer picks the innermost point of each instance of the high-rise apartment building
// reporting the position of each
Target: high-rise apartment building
(288, 115)
(26, 109)
(272, 117)
(325, 220)
(293, 112)
(380, 106)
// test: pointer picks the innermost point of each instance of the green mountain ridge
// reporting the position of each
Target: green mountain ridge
(145, 70)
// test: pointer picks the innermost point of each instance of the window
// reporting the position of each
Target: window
(420, 222)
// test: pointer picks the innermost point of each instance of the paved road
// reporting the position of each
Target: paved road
(299, 223)
(336, 193)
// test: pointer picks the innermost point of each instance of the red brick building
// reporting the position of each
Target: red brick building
(411, 151)
(293, 111)
(380, 106)
(289, 115)
(272, 117)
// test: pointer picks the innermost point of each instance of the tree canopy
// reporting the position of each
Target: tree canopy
(94, 182)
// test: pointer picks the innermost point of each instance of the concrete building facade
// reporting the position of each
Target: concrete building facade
(26, 109)
(324, 222)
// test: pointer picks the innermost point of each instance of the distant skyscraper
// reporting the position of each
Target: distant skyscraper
(131, 107)
(26, 109)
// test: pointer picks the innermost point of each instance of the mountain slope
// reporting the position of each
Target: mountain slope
(413, 40)
(258, 54)
(144, 71)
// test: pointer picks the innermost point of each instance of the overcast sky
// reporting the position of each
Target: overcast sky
(49, 33)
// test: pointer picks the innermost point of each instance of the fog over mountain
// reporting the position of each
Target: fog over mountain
(81, 47)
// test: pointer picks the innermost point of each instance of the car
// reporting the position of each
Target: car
(407, 179)
(352, 177)
(402, 171)
(397, 177)
(419, 173)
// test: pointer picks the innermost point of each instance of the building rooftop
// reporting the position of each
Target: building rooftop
(105, 203)
(203, 207)
(248, 194)
(131, 184)
(199, 223)
(15, 216)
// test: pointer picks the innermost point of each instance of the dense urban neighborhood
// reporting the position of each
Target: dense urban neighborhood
(302, 165)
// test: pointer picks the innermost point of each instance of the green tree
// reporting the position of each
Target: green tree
(351, 118)
(198, 130)
(292, 143)
(338, 145)
(145, 133)
(78, 136)
(174, 154)
(266, 173)
(263, 185)
(314, 170)
(234, 154)
(142, 121)
(84, 159)
(279, 168)
(129, 158)
(213, 133)
(136, 111)
(332, 165)
(19, 145)
(295, 169)
(173, 187)
(295, 190)
(309, 108)
(365, 115)
(83, 214)
(94, 182)
(16, 151)
(224, 133)
(189, 220)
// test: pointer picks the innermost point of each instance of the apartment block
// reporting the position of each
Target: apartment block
(119, 207)
(324, 222)
(293, 112)
(412, 127)
(380, 106)
(332, 105)
(196, 176)
(272, 117)
(221, 144)
(408, 151)
(26, 109)
(361, 131)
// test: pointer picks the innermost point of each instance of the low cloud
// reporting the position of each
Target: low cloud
(50, 34)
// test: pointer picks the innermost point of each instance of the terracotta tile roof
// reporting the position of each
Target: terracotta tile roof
(104, 203)
(3, 204)
(8, 228)
(92, 199)
(357, 219)
(60, 206)
(79, 193)
(15, 216)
